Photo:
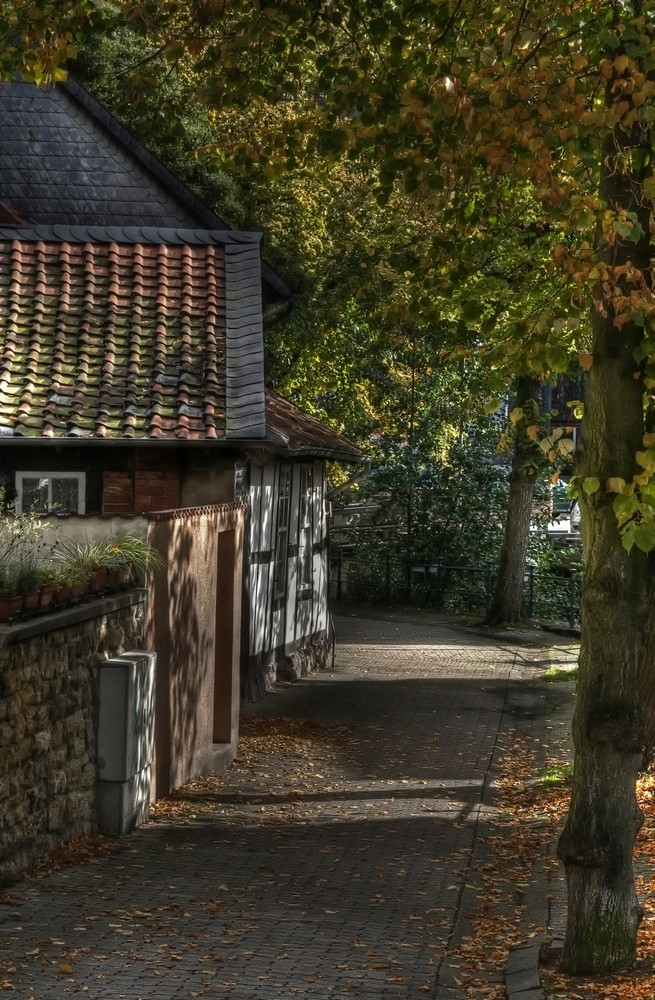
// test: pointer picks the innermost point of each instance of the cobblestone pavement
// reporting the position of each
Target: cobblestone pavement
(345, 865)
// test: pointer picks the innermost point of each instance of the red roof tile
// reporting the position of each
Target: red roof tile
(112, 340)
(303, 434)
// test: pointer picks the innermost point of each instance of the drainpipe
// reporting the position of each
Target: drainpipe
(359, 477)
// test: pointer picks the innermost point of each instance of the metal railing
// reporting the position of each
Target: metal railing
(552, 596)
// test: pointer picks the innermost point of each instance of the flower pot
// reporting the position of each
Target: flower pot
(78, 591)
(46, 597)
(10, 607)
(30, 603)
(98, 582)
(120, 579)
(62, 596)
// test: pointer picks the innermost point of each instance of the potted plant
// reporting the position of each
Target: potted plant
(128, 559)
(81, 563)
(29, 585)
(11, 600)
(47, 589)
(110, 562)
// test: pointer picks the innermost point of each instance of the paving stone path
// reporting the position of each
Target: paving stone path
(343, 860)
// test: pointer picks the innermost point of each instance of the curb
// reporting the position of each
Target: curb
(545, 905)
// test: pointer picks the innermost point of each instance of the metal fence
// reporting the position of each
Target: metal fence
(551, 596)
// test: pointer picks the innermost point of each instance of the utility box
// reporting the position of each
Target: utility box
(126, 735)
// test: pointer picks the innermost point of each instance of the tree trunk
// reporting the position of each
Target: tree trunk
(647, 687)
(597, 843)
(506, 602)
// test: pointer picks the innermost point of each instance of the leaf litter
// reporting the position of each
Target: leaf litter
(282, 766)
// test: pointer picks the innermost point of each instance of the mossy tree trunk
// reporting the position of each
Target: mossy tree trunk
(647, 688)
(597, 843)
(505, 604)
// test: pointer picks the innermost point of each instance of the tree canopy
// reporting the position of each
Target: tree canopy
(518, 136)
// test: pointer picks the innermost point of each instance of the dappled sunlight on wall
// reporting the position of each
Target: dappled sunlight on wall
(183, 631)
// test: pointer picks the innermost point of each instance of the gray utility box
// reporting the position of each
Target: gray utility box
(126, 736)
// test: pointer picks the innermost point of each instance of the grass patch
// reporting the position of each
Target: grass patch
(558, 674)
(556, 775)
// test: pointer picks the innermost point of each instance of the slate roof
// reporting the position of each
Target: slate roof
(65, 160)
(102, 339)
(127, 310)
(303, 434)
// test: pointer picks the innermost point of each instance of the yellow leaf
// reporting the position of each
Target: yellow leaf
(66, 968)
(615, 484)
(585, 359)
(649, 439)
(566, 446)
(621, 63)
(516, 415)
(532, 431)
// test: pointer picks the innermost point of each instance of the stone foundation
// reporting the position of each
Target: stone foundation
(48, 712)
(303, 661)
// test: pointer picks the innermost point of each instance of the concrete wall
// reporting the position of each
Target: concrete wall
(93, 528)
(48, 710)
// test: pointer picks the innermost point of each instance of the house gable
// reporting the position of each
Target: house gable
(65, 160)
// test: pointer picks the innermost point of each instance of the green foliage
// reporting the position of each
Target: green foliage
(450, 510)
(113, 553)
(24, 553)
(557, 775)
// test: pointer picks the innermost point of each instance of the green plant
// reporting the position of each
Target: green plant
(131, 552)
(555, 775)
(82, 558)
(24, 552)
(122, 553)
(561, 674)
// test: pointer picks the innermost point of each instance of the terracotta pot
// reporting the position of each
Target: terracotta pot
(31, 603)
(98, 582)
(62, 596)
(10, 607)
(46, 596)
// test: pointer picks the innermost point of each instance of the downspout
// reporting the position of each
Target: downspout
(358, 477)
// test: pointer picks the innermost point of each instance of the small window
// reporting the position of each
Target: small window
(305, 534)
(241, 481)
(50, 492)
(282, 535)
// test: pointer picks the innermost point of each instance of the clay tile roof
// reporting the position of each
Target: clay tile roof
(297, 433)
(108, 340)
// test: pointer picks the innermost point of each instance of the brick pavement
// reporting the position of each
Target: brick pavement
(351, 869)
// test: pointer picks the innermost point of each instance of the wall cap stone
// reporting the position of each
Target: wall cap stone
(20, 631)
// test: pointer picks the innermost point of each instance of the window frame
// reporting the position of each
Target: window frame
(80, 477)
(306, 527)
(282, 525)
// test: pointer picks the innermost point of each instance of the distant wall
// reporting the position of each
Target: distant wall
(48, 712)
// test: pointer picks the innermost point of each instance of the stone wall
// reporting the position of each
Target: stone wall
(48, 712)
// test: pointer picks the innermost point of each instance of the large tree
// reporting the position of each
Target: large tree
(555, 102)
(468, 109)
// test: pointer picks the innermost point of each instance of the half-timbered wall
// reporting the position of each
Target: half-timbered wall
(288, 619)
